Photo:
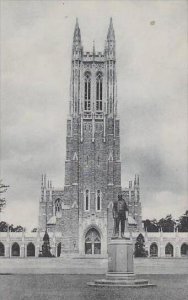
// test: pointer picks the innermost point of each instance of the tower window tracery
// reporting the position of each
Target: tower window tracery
(57, 205)
(87, 91)
(99, 88)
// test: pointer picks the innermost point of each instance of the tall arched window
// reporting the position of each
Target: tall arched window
(99, 92)
(92, 242)
(57, 205)
(98, 200)
(87, 91)
(15, 249)
(30, 249)
(153, 249)
(169, 250)
(87, 200)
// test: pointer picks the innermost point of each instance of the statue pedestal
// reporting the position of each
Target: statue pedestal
(120, 260)
(120, 266)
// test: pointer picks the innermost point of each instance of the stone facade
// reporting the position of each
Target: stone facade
(157, 244)
(92, 165)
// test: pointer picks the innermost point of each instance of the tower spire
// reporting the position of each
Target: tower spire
(77, 34)
(111, 34)
(110, 42)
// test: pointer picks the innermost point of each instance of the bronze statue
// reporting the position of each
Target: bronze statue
(119, 214)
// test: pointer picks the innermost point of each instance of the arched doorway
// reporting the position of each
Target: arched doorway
(2, 249)
(30, 249)
(154, 250)
(58, 249)
(92, 242)
(184, 249)
(15, 249)
(169, 250)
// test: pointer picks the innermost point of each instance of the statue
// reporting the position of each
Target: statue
(119, 214)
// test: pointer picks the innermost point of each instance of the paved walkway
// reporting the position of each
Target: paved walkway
(88, 266)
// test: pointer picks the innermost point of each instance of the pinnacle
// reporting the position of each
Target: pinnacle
(77, 35)
(111, 35)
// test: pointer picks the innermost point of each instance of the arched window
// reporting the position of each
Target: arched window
(15, 249)
(30, 249)
(99, 92)
(153, 249)
(184, 249)
(87, 204)
(57, 205)
(169, 250)
(87, 91)
(98, 200)
(2, 249)
(92, 242)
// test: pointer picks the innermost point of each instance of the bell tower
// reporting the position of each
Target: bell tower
(92, 166)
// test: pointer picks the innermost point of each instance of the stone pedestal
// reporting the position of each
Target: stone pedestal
(120, 260)
(120, 266)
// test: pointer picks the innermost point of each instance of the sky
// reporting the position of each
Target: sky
(151, 48)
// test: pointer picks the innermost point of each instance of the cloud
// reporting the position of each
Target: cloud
(152, 95)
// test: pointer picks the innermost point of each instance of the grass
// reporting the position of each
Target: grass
(74, 287)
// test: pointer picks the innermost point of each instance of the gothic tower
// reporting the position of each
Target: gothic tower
(92, 167)
(82, 212)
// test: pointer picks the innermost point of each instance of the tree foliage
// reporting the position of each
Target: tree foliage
(151, 225)
(140, 247)
(167, 224)
(183, 222)
(4, 227)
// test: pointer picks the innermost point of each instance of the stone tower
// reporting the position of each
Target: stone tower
(82, 212)
(92, 167)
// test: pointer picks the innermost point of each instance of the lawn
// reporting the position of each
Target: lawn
(70, 287)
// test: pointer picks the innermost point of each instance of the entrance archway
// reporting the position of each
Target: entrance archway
(92, 242)
(15, 249)
(2, 249)
(184, 249)
(169, 250)
(58, 249)
(154, 250)
(30, 249)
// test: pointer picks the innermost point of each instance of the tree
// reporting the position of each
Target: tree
(167, 224)
(3, 189)
(4, 227)
(151, 225)
(140, 247)
(183, 222)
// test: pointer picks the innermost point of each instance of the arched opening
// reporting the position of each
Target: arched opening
(2, 249)
(169, 250)
(15, 249)
(184, 249)
(154, 250)
(30, 249)
(58, 249)
(92, 242)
